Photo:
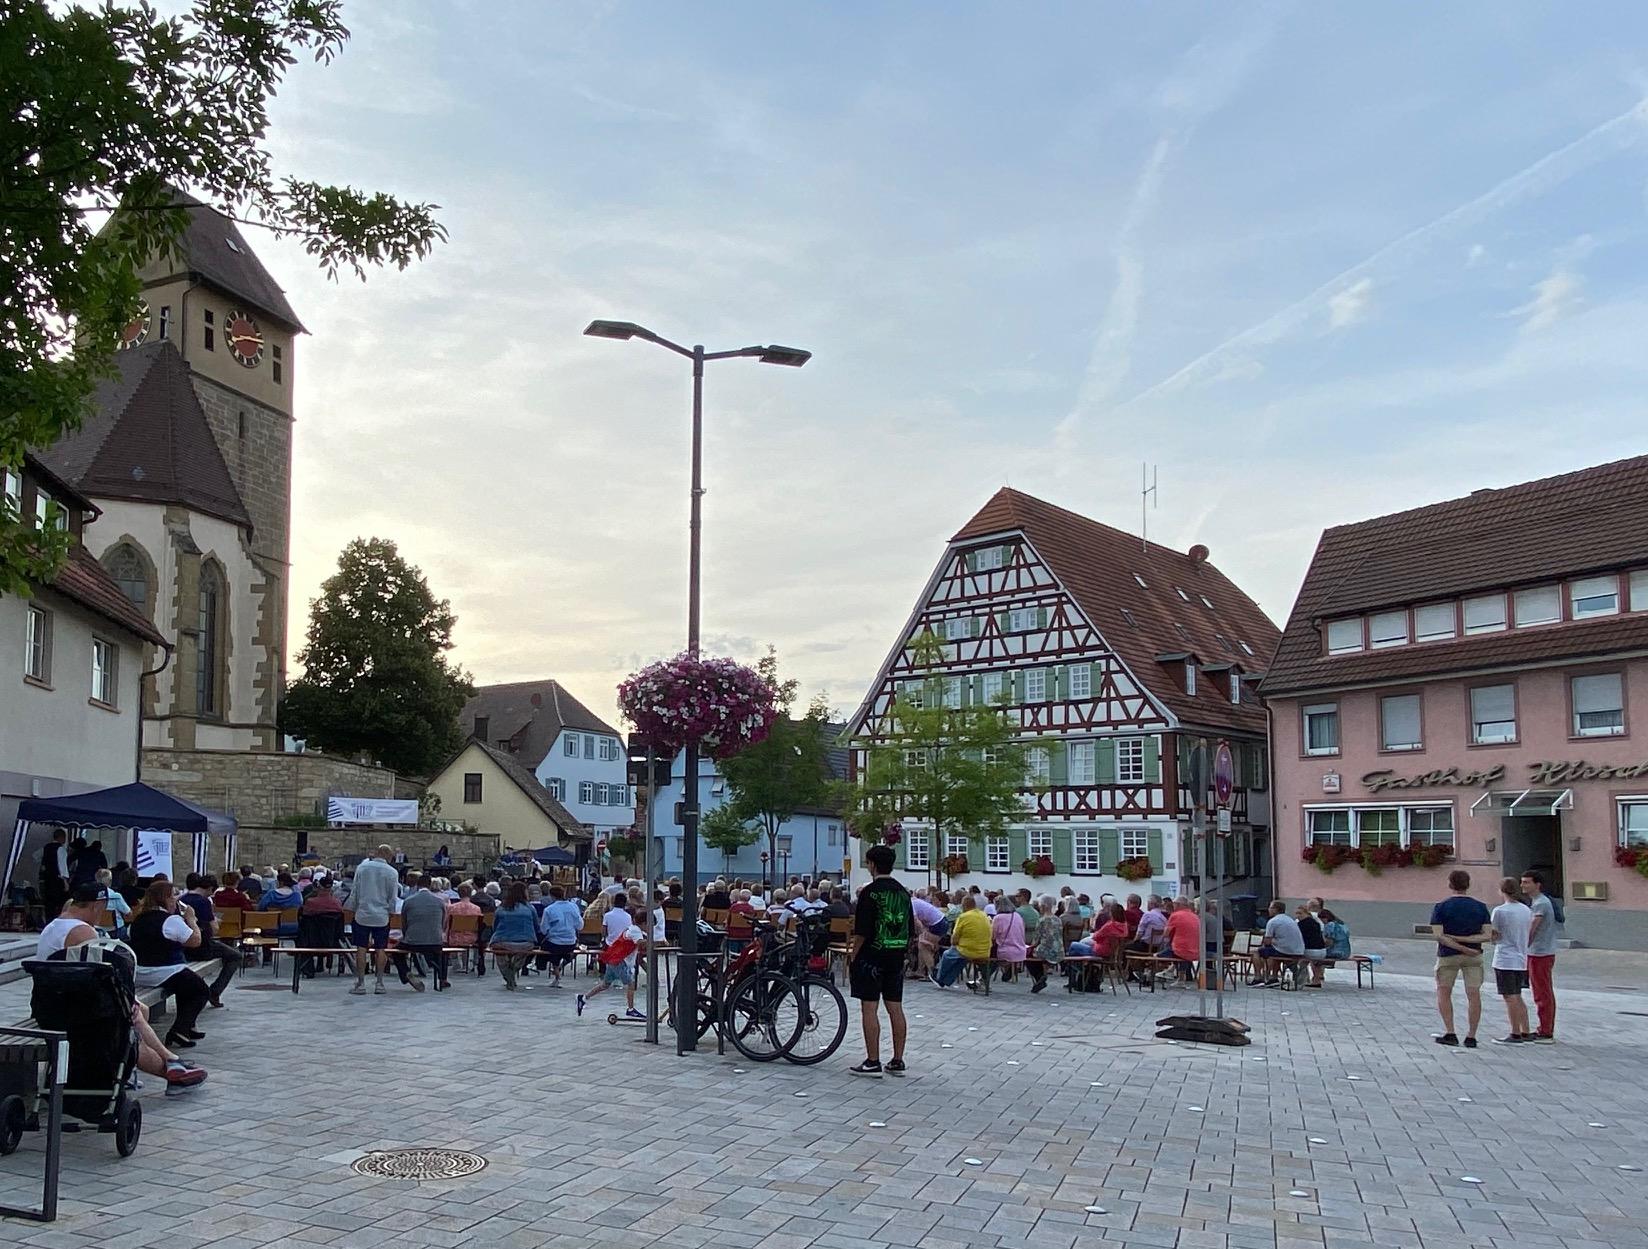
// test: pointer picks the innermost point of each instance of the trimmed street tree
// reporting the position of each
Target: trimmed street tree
(956, 770)
(376, 677)
(118, 109)
(725, 829)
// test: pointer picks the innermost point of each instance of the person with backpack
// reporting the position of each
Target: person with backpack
(1547, 916)
(621, 943)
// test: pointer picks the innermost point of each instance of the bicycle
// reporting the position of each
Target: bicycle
(771, 1002)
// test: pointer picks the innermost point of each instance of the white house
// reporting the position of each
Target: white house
(578, 757)
(72, 660)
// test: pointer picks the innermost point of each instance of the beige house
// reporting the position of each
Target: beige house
(484, 787)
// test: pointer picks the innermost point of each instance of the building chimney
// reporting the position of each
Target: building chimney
(537, 700)
(1199, 554)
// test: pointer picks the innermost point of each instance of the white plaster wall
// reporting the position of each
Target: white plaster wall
(557, 763)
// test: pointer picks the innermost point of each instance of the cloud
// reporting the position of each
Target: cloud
(1350, 305)
(1475, 255)
(1555, 297)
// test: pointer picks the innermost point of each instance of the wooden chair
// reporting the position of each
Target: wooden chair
(258, 931)
(976, 975)
(229, 925)
(461, 925)
(715, 917)
(105, 918)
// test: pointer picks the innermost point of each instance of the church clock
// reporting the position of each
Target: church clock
(137, 329)
(244, 339)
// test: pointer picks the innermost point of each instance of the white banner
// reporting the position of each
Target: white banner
(154, 851)
(372, 810)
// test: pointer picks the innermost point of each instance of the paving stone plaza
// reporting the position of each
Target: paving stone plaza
(1341, 1126)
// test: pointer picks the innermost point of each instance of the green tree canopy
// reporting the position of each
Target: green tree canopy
(116, 109)
(376, 675)
(954, 770)
(726, 829)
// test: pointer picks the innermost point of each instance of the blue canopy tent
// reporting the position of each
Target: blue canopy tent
(130, 807)
(554, 856)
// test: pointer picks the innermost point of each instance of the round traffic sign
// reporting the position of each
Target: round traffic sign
(1224, 774)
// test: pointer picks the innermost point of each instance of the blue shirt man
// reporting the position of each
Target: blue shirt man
(561, 922)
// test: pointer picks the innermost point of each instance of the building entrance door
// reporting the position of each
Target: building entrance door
(1534, 842)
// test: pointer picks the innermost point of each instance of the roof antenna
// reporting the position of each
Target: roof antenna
(1147, 500)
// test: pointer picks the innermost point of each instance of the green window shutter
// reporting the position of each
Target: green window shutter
(1063, 846)
(898, 852)
(1001, 622)
(970, 692)
(1018, 847)
(972, 561)
(1107, 761)
(1155, 852)
(1060, 765)
(1060, 684)
(1110, 850)
(1015, 688)
(1152, 759)
(1183, 754)
(975, 626)
(1041, 617)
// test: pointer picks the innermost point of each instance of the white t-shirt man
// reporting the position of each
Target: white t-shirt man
(614, 924)
(1512, 920)
(55, 936)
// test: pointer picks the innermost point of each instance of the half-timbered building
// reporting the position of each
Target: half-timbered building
(1113, 657)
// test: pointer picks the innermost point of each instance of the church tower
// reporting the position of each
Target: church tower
(188, 454)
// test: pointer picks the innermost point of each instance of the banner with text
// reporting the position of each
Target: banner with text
(372, 810)
(154, 851)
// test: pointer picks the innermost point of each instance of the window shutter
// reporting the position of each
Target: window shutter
(1106, 761)
(899, 857)
(1152, 759)
(1018, 847)
(1183, 753)
(1110, 850)
(1041, 617)
(972, 561)
(1001, 622)
(1063, 847)
(1060, 683)
(975, 627)
(1155, 851)
(969, 691)
(1015, 687)
(1060, 764)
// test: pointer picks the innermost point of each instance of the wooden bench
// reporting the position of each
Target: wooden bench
(154, 996)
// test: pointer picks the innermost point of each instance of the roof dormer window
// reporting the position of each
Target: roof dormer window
(1540, 604)
(1344, 636)
(1190, 677)
(1387, 628)
(1235, 687)
(1593, 596)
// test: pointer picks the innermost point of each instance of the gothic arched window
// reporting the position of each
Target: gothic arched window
(131, 573)
(211, 627)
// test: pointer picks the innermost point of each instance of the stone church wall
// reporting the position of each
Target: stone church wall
(259, 787)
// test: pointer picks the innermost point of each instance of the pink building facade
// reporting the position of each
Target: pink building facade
(1471, 678)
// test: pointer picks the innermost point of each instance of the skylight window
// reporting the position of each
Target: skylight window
(1182, 594)
(1246, 649)
(1128, 616)
(1182, 632)
(1206, 602)
(232, 245)
(1141, 581)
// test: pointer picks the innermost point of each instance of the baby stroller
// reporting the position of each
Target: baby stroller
(89, 996)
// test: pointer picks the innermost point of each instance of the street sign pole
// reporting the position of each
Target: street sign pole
(1198, 828)
(651, 885)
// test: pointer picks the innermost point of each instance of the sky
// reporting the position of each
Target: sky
(1312, 262)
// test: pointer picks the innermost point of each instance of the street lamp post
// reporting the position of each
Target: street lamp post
(686, 982)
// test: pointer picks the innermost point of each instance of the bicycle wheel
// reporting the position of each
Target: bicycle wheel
(750, 1020)
(813, 1008)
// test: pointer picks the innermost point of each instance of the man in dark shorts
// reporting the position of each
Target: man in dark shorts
(883, 929)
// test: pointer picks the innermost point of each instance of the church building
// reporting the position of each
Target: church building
(187, 455)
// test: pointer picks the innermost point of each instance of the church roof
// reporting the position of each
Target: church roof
(530, 715)
(147, 439)
(213, 247)
(1148, 601)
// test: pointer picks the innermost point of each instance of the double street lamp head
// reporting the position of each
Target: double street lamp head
(773, 353)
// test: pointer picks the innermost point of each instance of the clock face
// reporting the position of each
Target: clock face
(244, 339)
(137, 329)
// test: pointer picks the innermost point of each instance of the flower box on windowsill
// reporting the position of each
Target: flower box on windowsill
(1375, 859)
(1633, 857)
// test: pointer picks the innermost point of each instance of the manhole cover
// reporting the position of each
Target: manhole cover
(418, 1164)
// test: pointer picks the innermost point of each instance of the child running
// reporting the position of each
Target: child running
(621, 943)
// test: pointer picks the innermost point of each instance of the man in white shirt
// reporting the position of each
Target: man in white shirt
(1512, 927)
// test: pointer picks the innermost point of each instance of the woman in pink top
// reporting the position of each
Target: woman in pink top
(463, 906)
(1007, 931)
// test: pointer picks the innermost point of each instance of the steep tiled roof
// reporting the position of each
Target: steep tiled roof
(1098, 565)
(533, 789)
(1586, 521)
(534, 713)
(148, 439)
(213, 247)
(82, 579)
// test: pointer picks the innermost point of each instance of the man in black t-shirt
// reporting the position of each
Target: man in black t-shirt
(883, 928)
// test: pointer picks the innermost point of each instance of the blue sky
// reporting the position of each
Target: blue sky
(1316, 262)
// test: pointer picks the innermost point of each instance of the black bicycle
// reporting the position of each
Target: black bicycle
(773, 1001)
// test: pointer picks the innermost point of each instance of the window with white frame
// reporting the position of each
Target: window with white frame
(1380, 827)
(914, 693)
(1085, 843)
(1344, 636)
(988, 557)
(11, 492)
(1484, 614)
(1633, 822)
(1537, 605)
(1593, 596)
(1129, 760)
(996, 854)
(991, 755)
(1328, 828)
(1035, 685)
(1181, 594)
(1493, 714)
(915, 760)
(50, 513)
(1430, 826)
(952, 691)
(916, 842)
(991, 686)
(105, 671)
(1190, 679)
(1433, 622)
(1599, 705)
(957, 843)
(1399, 722)
(1387, 628)
(786, 845)
(1136, 844)
(37, 645)
(1639, 590)
(571, 747)
(1040, 842)
(586, 791)
(1081, 763)
(557, 788)
(1081, 681)
(1022, 618)
(1321, 734)
(599, 795)
(1038, 764)
(957, 627)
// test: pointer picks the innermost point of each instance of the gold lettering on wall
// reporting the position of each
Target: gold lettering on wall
(1543, 773)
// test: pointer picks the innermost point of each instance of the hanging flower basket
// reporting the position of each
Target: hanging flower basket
(1138, 868)
(1041, 865)
(954, 865)
(718, 703)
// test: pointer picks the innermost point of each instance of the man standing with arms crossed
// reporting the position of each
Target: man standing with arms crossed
(376, 892)
(1541, 954)
(883, 928)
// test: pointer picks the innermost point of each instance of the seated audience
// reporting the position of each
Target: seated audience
(969, 940)
(1007, 932)
(1316, 944)
(1183, 933)
(161, 939)
(118, 905)
(1282, 938)
(1046, 944)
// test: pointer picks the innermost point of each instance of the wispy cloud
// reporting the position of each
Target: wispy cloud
(1555, 296)
(1350, 305)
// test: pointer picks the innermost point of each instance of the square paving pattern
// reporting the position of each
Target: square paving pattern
(1342, 1126)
